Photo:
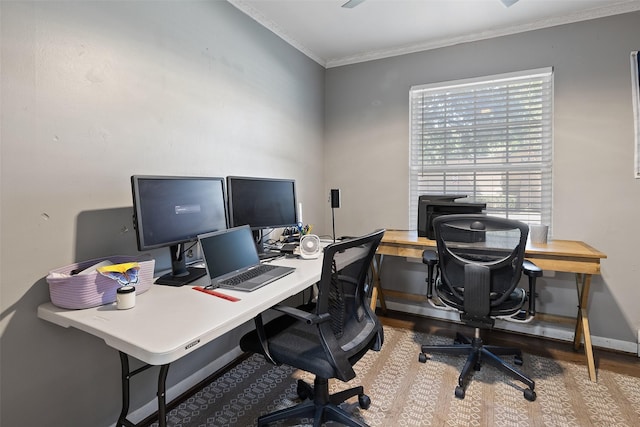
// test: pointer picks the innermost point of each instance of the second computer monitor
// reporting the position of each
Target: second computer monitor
(262, 202)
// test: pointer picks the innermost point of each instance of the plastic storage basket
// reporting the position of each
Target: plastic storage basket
(94, 289)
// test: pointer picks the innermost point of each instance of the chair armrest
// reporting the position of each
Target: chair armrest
(533, 271)
(530, 269)
(430, 258)
(309, 318)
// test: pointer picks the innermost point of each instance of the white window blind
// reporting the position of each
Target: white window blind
(489, 138)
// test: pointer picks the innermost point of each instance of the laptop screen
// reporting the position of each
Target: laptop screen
(228, 250)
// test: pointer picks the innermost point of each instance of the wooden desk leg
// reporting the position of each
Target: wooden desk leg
(583, 283)
(374, 296)
(376, 293)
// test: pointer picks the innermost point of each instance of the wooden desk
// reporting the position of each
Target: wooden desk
(557, 255)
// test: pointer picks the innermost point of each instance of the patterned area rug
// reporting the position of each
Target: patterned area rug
(405, 392)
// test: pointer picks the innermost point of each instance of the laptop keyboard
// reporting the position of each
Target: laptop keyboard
(248, 275)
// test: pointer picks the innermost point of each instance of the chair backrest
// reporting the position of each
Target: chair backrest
(352, 328)
(480, 258)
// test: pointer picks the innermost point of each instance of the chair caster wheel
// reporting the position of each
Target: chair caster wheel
(422, 358)
(517, 360)
(302, 391)
(459, 392)
(364, 401)
(530, 395)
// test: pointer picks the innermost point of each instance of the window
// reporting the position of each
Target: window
(489, 138)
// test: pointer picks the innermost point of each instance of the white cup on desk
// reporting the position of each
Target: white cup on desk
(125, 297)
(538, 233)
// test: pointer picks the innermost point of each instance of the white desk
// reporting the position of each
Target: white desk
(168, 322)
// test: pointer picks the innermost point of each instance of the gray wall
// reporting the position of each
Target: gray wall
(93, 92)
(595, 196)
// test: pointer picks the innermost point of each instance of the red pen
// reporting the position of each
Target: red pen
(216, 293)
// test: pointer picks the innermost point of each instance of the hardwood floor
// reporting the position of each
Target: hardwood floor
(622, 363)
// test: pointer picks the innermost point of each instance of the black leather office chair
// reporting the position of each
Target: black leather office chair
(328, 339)
(476, 271)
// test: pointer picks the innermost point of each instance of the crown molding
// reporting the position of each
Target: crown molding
(600, 12)
(276, 29)
(618, 9)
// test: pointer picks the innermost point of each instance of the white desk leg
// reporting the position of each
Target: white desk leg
(126, 394)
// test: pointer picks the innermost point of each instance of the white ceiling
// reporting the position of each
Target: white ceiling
(333, 36)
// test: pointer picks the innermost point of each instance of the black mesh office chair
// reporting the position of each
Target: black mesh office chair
(476, 271)
(328, 339)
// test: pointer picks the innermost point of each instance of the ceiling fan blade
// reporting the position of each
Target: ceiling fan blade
(353, 3)
(508, 3)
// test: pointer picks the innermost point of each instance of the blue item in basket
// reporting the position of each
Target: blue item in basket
(125, 274)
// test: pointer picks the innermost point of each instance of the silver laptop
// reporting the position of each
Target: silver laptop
(232, 262)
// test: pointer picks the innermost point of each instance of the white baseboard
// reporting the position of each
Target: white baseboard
(537, 328)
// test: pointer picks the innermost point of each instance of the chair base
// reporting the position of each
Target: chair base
(322, 407)
(477, 353)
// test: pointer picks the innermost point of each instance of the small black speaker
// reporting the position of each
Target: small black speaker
(335, 197)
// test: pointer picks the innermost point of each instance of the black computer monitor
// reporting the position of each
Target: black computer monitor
(261, 203)
(169, 211)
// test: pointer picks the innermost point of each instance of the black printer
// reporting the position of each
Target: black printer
(431, 206)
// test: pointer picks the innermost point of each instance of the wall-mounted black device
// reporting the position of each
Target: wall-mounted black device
(431, 206)
(335, 197)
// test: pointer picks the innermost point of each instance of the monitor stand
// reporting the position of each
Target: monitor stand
(262, 253)
(180, 274)
(269, 255)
